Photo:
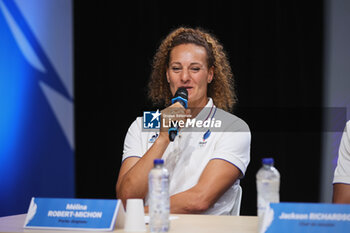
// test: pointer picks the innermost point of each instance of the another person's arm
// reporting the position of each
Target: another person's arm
(341, 193)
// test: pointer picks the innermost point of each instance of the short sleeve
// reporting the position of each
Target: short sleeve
(342, 171)
(132, 142)
(234, 145)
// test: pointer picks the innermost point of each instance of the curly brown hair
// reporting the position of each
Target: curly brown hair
(221, 89)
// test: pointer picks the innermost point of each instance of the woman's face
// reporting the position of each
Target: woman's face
(188, 68)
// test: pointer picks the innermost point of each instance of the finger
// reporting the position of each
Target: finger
(188, 113)
(177, 105)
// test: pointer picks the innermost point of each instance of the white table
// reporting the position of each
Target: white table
(183, 224)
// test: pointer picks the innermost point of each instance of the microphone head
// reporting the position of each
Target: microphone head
(181, 96)
(182, 92)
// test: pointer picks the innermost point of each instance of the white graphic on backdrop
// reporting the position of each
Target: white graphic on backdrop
(60, 105)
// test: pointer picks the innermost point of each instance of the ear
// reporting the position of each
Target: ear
(167, 75)
(210, 74)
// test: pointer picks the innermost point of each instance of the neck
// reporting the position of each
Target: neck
(197, 107)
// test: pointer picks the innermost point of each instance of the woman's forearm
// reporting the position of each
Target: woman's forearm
(133, 183)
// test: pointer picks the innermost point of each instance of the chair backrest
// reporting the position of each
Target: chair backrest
(237, 206)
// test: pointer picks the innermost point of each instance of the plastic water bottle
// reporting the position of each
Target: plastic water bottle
(268, 185)
(159, 204)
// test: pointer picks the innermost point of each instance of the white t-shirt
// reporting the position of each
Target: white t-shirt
(194, 147)
(342, 171)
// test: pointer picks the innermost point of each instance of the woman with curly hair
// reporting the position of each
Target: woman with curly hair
(206, 160)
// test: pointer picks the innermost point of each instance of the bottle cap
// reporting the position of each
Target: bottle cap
(267, 161)
(158, 161)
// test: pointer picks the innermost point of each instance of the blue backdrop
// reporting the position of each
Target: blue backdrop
(36, 102)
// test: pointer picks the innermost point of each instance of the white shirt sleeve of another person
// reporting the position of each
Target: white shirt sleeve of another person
(342, 171)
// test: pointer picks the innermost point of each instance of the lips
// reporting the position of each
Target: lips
(187, 87)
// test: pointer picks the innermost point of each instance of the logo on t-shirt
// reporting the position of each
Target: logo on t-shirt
(151, 119)
(204, 139)
(153, 138)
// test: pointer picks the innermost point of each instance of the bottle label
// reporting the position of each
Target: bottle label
(268, 192)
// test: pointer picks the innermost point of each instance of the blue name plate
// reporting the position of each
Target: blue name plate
(305, 217)
(74, 214)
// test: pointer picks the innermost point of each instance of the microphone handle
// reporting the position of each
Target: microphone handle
(172, 132)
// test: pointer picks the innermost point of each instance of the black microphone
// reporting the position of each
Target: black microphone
(181, 96)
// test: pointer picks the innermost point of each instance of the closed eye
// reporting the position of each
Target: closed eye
(176, 69)
(195, 69)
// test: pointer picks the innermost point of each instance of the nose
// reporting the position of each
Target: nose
(185, 76)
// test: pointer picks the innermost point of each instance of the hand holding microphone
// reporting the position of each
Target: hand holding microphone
(176, 112)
